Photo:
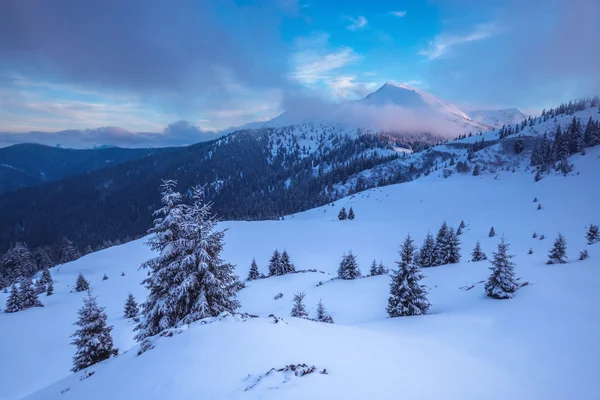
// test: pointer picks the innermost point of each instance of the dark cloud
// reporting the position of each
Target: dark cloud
(170, 50)
(543, 52)
(180, 133)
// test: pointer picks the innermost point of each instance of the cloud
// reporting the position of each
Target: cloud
(179, 133)
(398, 14)
(443, 44)
(357, 23)
(347, 86)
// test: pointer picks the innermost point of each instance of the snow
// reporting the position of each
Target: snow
(542, 344)
(497, 118)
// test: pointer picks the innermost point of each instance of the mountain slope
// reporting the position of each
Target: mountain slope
(541, 344)
(497, 118)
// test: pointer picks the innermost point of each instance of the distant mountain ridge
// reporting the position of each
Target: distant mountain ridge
(497, 118)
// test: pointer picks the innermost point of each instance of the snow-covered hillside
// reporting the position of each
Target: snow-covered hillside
(497, 118)
(540, 345)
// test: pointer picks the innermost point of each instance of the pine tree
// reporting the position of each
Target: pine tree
(67, 252)
(492, 232)
(348, 268)
(447, 246)
(18, 262)
(188, 280)
(131, 307)
(39, 287)
(104, 278)
(478, 254)
(322, 315)
(558, 254)
(476, 170)
(27, 295)
(87, 250)
(50, 289)
(275, 264)
(583, 255)
(253, 274)
(381, 269)
(593, 234)
(427, 255)
(285, 264)
(374, 270)
(407, 295)
(299, 310)
(13, 303)
(46, 278)
(407, 251)
(43, 259)
(502, 283)
(342, 214)
(93, 339)
(81, 285)
(351, 213)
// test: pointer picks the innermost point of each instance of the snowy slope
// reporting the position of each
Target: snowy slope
(541, 344)
(497, 118)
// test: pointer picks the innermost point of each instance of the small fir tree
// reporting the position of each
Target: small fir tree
(286, 264)
(253, 274)
(322, 315)
(27, 295)
(584, 255)
(374, 270)
(558, 254)
(81, 285)
(478, 254)
(492, 232)
(46, 278)
(92, 338)
(427, 256)
(381, 269)
(131, 307)
(592, 235)
(351, 213)
(39, 287)
(275, 264)
(50, 289)
(407, 296)
(299, 310)
(342, 214)
(348, 268)
(13, 303)
(502, 283)
(104, 278)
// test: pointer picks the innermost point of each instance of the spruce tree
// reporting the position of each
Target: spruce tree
(19, 262)
(322, 315)
(299, 310)
(27, 295)
(407, 295)
(374, 270)
(440, 243)
(502, 283)
(39, 286)
(476, 170)
(104, 278)
(43, 259)
(285, 264)
(81, 285)
(593, 234)
(342, 214)
(447, 247)
(67, 252)
(427, 255)
(381, 269)
(351, 213)
(348, 268)
(46, 278)
(50, 289)
(253, 274)
(492, 232)
(131, 307)
(478, 254)
(558, 254)
(275, 264)
(92, 338)
(188, 280)
(583, 255)
(13, 303)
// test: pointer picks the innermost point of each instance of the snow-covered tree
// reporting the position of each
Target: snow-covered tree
(50, 289)
(188, 280)
(427, 253)
(39, 287)
(286, 264)
(593, 234)
(342, 214)
(13, 303)
(19, 262)
(92, 338)
(348, 268)
(407, 295)
(374, 270)
(558, 254)
(381, 269)
(81, 285)
(253, 274)
(447, 246)
(407, 251)
(67, 252)
(299, 310)
(478, 254)
(87, 250)
(492, 232)
(322, 315)
(275, 264)
(502, 283)
(351, 213)
(105, 277)
(27, 295)
(131, 307)
(476, 170)
(46, 278)
(583, 255)
(43, 259)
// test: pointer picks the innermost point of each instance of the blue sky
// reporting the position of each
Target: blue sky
(142, 65)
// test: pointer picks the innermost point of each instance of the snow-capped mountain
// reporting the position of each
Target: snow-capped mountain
(393, 108)
(497, 118)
